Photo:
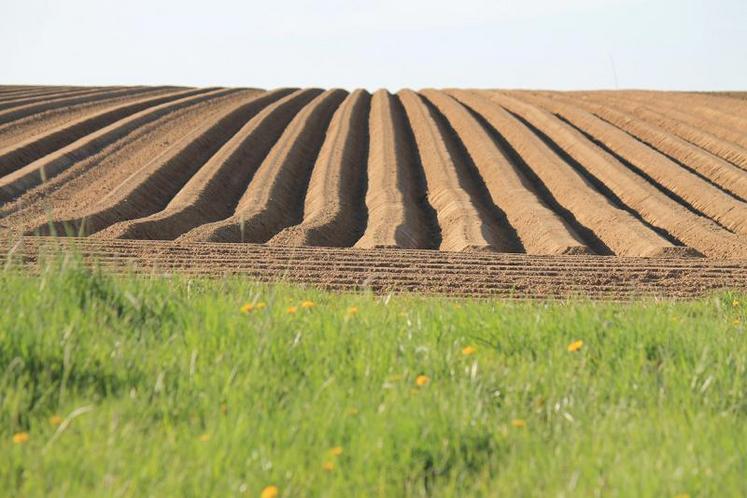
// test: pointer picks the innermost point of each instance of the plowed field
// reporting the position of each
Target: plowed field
(657, 181)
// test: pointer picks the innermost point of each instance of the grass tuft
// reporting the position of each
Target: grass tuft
(135, 386)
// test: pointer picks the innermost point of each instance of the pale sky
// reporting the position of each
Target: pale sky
(552, 44)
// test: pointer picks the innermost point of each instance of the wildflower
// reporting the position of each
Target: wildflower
(247, 308)
(422, 380)
(260, 306)
(469, 351)
(307, 305)
(353, 310)
(21, 437)
(55, 420)
(328, 466)
(518, 423)
(575, 346)
(270, 491)
(204, 438)
(682, 495)
(735, 303)
(292, 310)
(336, 451)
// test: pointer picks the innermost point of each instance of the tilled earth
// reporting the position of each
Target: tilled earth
(467, 274)
(465, 192)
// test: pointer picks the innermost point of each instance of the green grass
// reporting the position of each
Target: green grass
(167, 389)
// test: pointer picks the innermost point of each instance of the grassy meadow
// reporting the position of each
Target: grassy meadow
(152, 386)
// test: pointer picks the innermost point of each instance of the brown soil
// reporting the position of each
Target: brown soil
(464, 219)
(395, 193)
(463, 274)
(672, 121)
(274, 198)
(332, 213)
(676, 178)
(563, 177)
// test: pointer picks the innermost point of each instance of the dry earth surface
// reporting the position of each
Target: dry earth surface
(468, 192)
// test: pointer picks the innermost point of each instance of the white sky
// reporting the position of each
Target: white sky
(554, 44)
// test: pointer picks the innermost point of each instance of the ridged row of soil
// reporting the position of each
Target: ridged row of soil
(629, 173)
(465, 274)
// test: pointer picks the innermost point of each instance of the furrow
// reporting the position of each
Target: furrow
(37, 125)
(701, 105)
(533, 277)
(732, 152)
(427, 262)
(274, 198)
(334, 213)
(468, 281)
(520, 290)
(13, 89)
(731, 112)
(701, 195)
(471, 275)
(408, 258)
(31, 175)
(464, 225)
(150, 188)
(396, 217)
(38, 92)
(28, 151)
(721, 173)
(616, 228)
(707, 110)
(26, 100)
(540, 230)
(650, 203)
(213, 193)
(87, 182)
(674, 110)
(16, 113)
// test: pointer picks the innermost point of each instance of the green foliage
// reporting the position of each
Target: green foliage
(165, 388)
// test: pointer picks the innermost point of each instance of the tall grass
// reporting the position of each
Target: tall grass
(136, 386)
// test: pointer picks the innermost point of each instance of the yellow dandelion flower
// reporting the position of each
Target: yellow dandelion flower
(353, 310)
(682, 495)
(336, 451)
(328, 466)
(422, 380)
(270, 491)
(21, 437)
(518, 423)
(736, 321)
(204, 438)
(735, 303)
(307, 305)
(469, 351)
(55, 420)
(575, 346)
(292, 310)
(260, 306)
(247, 308)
